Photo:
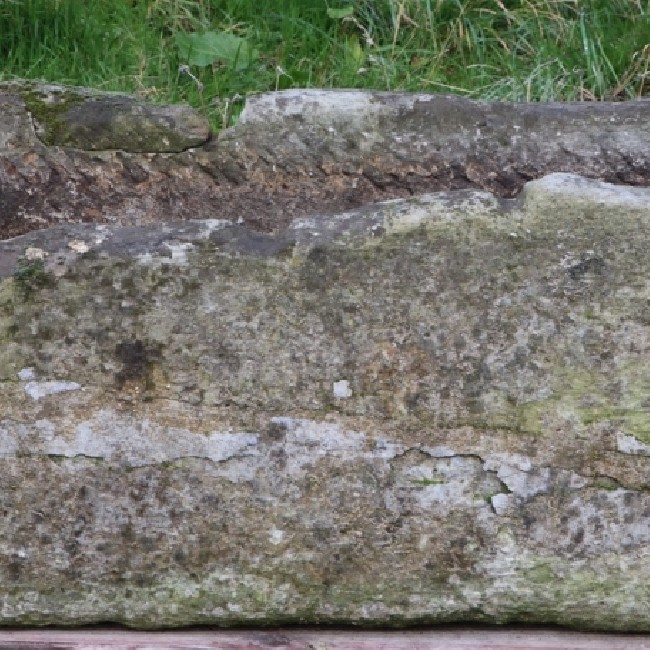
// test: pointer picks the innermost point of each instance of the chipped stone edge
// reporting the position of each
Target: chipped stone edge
(170, 244)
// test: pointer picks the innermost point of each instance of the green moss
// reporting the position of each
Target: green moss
(6, 309)
(30, 276)
(548, 591)
(581, 398)
(606, 483)
(49, 115)
(504, 489)
(637, 423)
(633, 421)
(626, 409)
(428, 481)
(541, 573)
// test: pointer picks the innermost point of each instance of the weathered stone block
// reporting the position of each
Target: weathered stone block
(423, 411)
(70, 155)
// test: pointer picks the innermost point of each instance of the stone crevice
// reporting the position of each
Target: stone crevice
(259, 170)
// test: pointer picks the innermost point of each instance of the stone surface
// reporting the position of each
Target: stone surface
(423, 411)
(74, 155)
(85, 119)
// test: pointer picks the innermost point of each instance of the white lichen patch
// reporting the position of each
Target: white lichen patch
(145, 442)
(177, 255)
(525, 480)
(524, 483)
(622, 509)
(341, 389)
(9, 444)
(26, 374)
(438, 451)
(33, 254)
(502, 503)
(78, 246)
(307, 440)
(630, 445)
(208, 226)
(442, 484)
(39, 389)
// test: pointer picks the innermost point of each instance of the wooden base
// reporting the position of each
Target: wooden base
(319, 639)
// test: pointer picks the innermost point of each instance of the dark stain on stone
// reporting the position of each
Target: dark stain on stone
(137, 359)
(591, 265)
(241, 239)
(319, 270)
(127, 532)
(579, 536)
(276, 430)
(133, 171)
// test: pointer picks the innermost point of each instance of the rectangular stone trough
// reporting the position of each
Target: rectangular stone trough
(423, 411)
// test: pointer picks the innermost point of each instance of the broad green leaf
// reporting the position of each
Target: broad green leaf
(214, 47)
(353, 50)
(343, 12)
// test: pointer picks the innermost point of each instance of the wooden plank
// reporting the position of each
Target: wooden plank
(315, 639)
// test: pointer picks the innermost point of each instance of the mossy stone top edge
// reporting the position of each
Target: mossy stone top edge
(89, 120)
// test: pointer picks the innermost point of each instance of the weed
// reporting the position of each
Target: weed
(428, 481)
(30, 275)
(519, 50)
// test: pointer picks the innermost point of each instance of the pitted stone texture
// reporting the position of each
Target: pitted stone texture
(425, 411)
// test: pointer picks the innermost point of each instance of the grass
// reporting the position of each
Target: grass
(212, 53)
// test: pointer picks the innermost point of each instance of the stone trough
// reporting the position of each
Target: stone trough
(235, 389)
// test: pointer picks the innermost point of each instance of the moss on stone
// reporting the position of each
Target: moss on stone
(30, 276)
(606, 483)
(427, 481)
(49, 114)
